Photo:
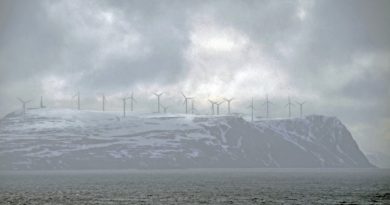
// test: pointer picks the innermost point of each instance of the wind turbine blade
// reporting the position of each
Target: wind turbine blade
(183, 95)
(212, 102)
(20, 100)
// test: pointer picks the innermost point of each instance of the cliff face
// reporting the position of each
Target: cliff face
(326, 138)
(70, 139)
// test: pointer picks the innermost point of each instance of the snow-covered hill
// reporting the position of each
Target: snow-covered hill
(71, 139)
(379, 159)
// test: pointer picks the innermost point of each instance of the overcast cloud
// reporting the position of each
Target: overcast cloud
(333, 54)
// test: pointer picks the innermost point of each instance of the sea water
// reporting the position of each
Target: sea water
(197, 186)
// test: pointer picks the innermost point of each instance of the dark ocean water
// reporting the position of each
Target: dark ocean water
(205, 186)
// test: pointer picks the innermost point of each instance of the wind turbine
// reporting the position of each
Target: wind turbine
(24, 104)
(78, 99)
(252, 109)
(267, 102)
(186, 101)
(192, 106)
(212, 106)
(301, 107)
(165, 108)
(228, 103)
(289, 106)
(132, 100)
(124, 105)
(218, 104)
(158, 95)
(103, 102)
(41, 104)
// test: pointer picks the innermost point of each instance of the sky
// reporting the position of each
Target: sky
(334, 55)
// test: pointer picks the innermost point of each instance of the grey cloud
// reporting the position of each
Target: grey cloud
(164, 33)
(29, 41)
(33, 44)
(338, 30)
(371, 85)
(265, 22)
(72, 43)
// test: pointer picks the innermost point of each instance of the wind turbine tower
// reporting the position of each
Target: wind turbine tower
(124, 105)
(165, 108)
(24, 104)
(132, 100)
(218, 104)
(158, 95)
(192, 106)
(212, 106)
(186, 101)
(267, 103)
(103, 102)
(252, 109)
(289, 106)
(301, 108)
(41, 104)
(228, 103)
(78, 99)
